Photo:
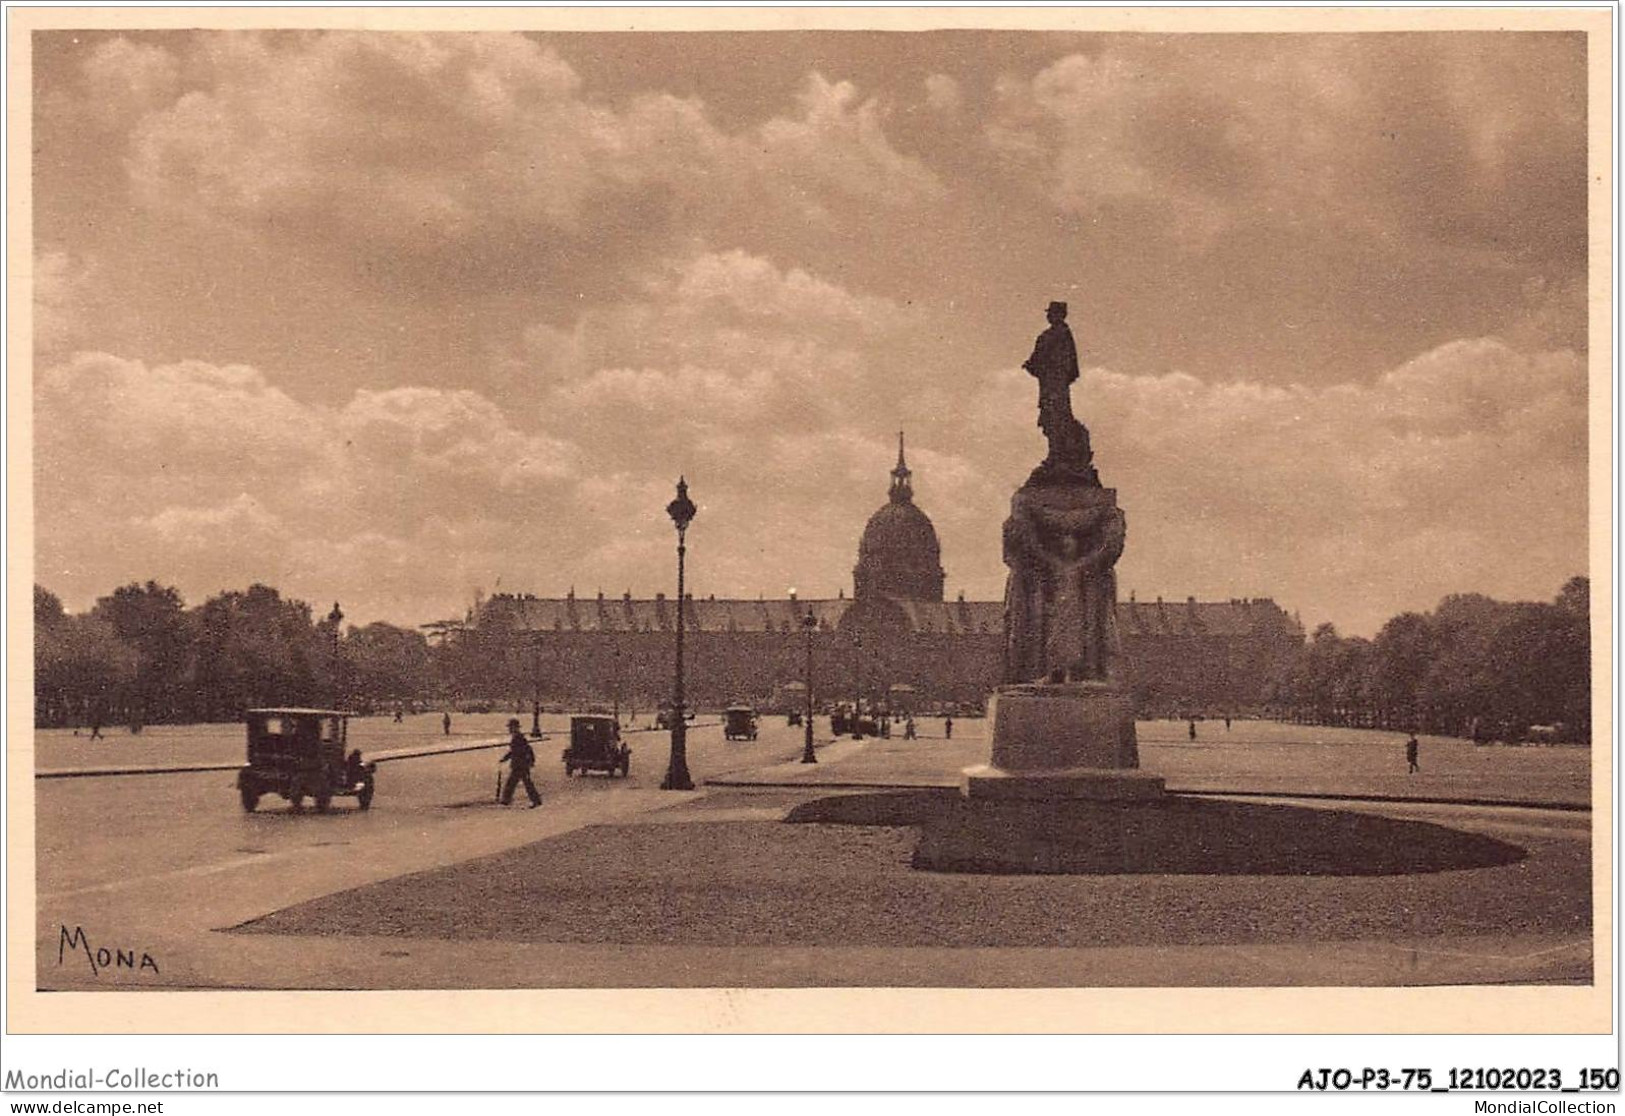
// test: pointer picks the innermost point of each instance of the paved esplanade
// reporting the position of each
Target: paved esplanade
(162, 864)
(157, 862)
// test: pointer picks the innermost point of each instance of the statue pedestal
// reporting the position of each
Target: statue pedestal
(1069, 740)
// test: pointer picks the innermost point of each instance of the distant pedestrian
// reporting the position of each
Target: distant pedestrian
(445, 723)
(96, 729)
(1227, 722)
(398, 716)
(1410, 755)
(948, 727)
(1193, 728)
(908, 729)
(520, 758)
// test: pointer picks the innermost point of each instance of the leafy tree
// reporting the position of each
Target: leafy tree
(256, 649)
(81, 668)
(1575, 597)
(152, 619)
(47, 608)
(1474, 666)
(387, 665)
(1404, 651)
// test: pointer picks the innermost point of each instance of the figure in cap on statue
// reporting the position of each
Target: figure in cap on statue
(1054, 364)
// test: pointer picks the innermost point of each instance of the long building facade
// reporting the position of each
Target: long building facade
(896, 639)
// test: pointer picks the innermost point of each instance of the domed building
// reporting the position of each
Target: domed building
(898, 555)
(896, 634)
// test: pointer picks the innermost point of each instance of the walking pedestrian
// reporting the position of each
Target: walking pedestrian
(1410, 755)
(520, 759)
(445, 723)
(948, 727)
(1193, 728)
(96, 729)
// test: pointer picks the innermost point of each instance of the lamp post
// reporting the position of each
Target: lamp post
(536, 686)
(857, 686)
(682, 511)
(809, 624)
(336, 620)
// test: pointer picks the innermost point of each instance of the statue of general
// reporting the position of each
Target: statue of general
(1054, 364)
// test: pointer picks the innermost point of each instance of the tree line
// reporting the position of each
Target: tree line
(141, 656)
(1473, 667)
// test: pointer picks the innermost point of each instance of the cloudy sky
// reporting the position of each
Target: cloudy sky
(388, 318)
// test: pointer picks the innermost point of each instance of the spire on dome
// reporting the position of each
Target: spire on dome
(902, 491)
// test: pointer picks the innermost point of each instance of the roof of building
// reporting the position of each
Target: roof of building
(958, 617)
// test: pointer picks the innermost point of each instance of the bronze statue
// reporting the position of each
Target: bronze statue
(1054, 364)
(1062, 540)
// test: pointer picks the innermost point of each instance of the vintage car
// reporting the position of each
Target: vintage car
(299, 754)
(595, 745)
(843, 721)
(739, 723)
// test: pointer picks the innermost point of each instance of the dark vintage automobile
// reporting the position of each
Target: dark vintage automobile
(299, 754)
(739, 723)
(844, 721)
(595, 745)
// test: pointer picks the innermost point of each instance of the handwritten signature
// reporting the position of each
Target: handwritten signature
(100, 957)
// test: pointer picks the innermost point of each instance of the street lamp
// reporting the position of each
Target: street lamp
(335, 620)
(857, 685)
(682, 511)
(809, 624)
(536, 685)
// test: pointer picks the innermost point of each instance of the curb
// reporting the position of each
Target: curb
(375, 757)
(193, 768)
(944, 788)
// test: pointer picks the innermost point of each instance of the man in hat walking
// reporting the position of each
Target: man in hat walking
(520, 759)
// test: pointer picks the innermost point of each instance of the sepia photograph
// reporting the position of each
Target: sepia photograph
(879, 503)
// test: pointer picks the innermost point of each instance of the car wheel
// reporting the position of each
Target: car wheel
(364, 795)
(323, 801)
(569, 770)
(250, 798)
(296, 801)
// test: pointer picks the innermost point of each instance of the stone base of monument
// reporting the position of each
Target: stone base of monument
(1063, 792)
(1060, 741)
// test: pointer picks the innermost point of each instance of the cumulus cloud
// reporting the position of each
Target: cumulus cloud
(1469, 145)
(230, 477)
(1352, 501)
(1332, 299)
(123, 79)
(443, 144)
(60, 282)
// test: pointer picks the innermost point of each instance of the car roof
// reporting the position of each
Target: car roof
(286, 712)
(591, 717)
(741, 709)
